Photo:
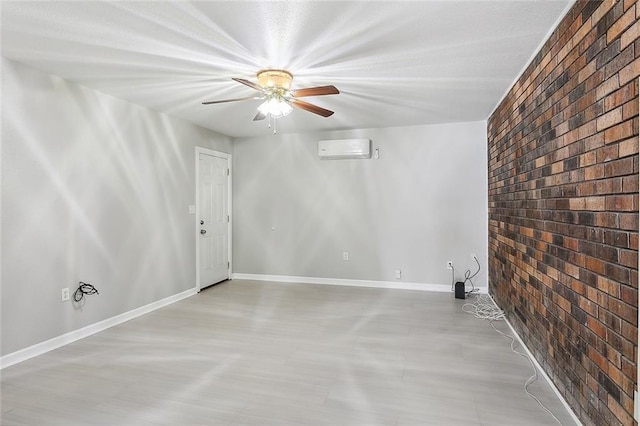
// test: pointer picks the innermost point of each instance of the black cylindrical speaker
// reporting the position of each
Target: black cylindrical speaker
(459, 290)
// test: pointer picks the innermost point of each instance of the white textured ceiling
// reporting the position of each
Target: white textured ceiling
(395, 63)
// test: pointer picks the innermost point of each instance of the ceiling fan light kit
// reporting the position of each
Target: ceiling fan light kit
(276, 107)
(275, 89)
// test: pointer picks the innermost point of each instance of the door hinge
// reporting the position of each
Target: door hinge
(228, 265)
(228, 172)
(228, 219)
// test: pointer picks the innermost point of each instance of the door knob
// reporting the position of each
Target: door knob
(203, 231)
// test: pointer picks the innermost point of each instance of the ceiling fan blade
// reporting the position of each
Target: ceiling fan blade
(230, 100)
(315, 91)
(248, 83)
(259, 116)
(311, 108)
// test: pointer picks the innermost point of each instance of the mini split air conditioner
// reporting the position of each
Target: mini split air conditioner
(344, 149)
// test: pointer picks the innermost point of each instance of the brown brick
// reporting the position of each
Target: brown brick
(597, 327)
(620, 25)
(629, 258)
(595, 265)
(627, 294)
(610, 85)
(606, 219)
(630, 184)
(577, 204)
(609, 286)
(630, 110)
(619, 412)
(626, 401)
(621, 167)
(620, 97)
(621, 131)
(630, 35)
(625, 311)
(628, 147)
(633, 278)
(609, 119)
(595, 203)
(628, 221)
(628, 367)
(594, 172)
(630, 72)
(601, 9)
(609, 186)
(620, 203)
(629, 332)
(597, 358)
(594, 141)
(607, 153)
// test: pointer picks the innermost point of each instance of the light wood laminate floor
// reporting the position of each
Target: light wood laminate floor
(258, 353)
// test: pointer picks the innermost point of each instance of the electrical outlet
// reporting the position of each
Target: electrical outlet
(64, 294)
(449, 264)
(398, 274)
(345, 255)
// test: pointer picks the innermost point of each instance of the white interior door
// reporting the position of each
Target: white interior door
(213, 219)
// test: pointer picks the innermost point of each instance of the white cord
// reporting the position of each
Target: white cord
(485, 308)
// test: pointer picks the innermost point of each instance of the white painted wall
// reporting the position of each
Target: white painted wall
(94, 189)
(423, 202)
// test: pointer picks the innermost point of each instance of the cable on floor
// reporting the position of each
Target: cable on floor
(485, 308)
(83, 289)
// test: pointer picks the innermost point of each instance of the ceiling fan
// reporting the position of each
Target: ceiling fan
(274, 87)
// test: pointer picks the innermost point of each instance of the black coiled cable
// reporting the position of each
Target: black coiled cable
(84, 288)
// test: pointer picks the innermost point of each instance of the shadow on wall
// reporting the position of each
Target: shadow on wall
(420, 204)
(95, 189)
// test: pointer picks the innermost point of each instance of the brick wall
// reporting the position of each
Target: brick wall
(563, 208)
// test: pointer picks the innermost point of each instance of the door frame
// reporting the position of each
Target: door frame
(207, 151)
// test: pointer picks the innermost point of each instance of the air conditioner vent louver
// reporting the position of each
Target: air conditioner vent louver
(344, 149)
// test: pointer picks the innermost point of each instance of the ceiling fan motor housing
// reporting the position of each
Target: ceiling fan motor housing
(279, 79)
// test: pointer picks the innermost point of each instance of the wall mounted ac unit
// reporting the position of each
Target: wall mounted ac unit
(344, 149)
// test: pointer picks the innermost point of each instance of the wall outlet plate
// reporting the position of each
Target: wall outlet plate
(345, 255)
(449, 264)
(64, 294)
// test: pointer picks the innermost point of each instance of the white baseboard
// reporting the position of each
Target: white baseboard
(542, 372)
(398, 285)
(70, 337)
(59, 341)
